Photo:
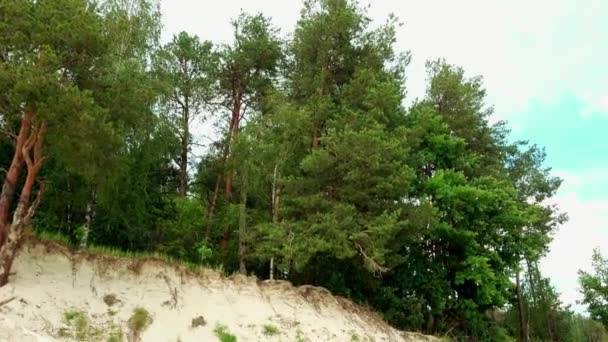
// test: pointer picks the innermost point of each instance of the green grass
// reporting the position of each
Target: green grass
(117, 252)
(270, 330)
(115, 334)
(79, 326)
(139, 320)
(222, 332)
(77, 319)
(52, 236)
(114, 338)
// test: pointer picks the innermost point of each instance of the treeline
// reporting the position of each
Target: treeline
(317, 174)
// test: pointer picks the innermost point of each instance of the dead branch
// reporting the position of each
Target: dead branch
(376, 268)
(10, 134)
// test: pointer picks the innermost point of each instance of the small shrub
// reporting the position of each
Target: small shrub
(139, 320)
(78, 321)
(222, 332)
(115, 335)
(204, 252)
(354, 337)
(270, 330)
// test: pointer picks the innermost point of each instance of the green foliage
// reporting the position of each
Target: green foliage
(222, 332)
(181, 231)
(203, 251)
(594, 287)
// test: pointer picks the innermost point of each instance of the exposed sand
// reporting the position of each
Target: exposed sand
(50, 280)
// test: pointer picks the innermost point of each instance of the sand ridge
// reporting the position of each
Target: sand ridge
(51, 280)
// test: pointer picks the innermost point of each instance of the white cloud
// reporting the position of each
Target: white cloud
(574, 242)
(595, 103)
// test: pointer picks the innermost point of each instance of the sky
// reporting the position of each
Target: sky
(545, 69)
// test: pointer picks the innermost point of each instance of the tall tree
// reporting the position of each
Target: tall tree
(248, 68)
(52, 58)
(342, 203)
(127, 155)
(186, 68)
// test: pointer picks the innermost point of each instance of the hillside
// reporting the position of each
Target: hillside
(98, 294)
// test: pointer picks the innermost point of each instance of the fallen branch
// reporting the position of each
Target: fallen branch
(6, 301)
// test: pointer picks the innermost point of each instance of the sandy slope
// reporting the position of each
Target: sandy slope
(49, 280)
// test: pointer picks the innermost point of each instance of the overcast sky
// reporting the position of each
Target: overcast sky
(545, 67)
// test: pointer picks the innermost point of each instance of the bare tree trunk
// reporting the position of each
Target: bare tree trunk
(183, 162)
(88, 221)
(14, 171)
(243, 227)
(276, 198)
(183, 170)
(523, 325)
(24, 211)
(233, 134)
(216, 190)
(272, 268)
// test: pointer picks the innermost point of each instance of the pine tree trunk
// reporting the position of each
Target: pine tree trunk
(216, 190)
(276, 198)
(183, 162)
(523, 325)
(243, 228)
(12, 176)
(24, 211)
(9, 248)
(233, 135)
(183, 171)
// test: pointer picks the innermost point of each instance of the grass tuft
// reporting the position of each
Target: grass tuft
(270, 330)
(119, 253)
(222, 332)
(77, 320)
(139, 320)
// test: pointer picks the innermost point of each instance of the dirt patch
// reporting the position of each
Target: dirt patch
(198, 322)
(111, 299)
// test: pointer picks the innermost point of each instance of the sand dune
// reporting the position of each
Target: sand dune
(59, 295)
